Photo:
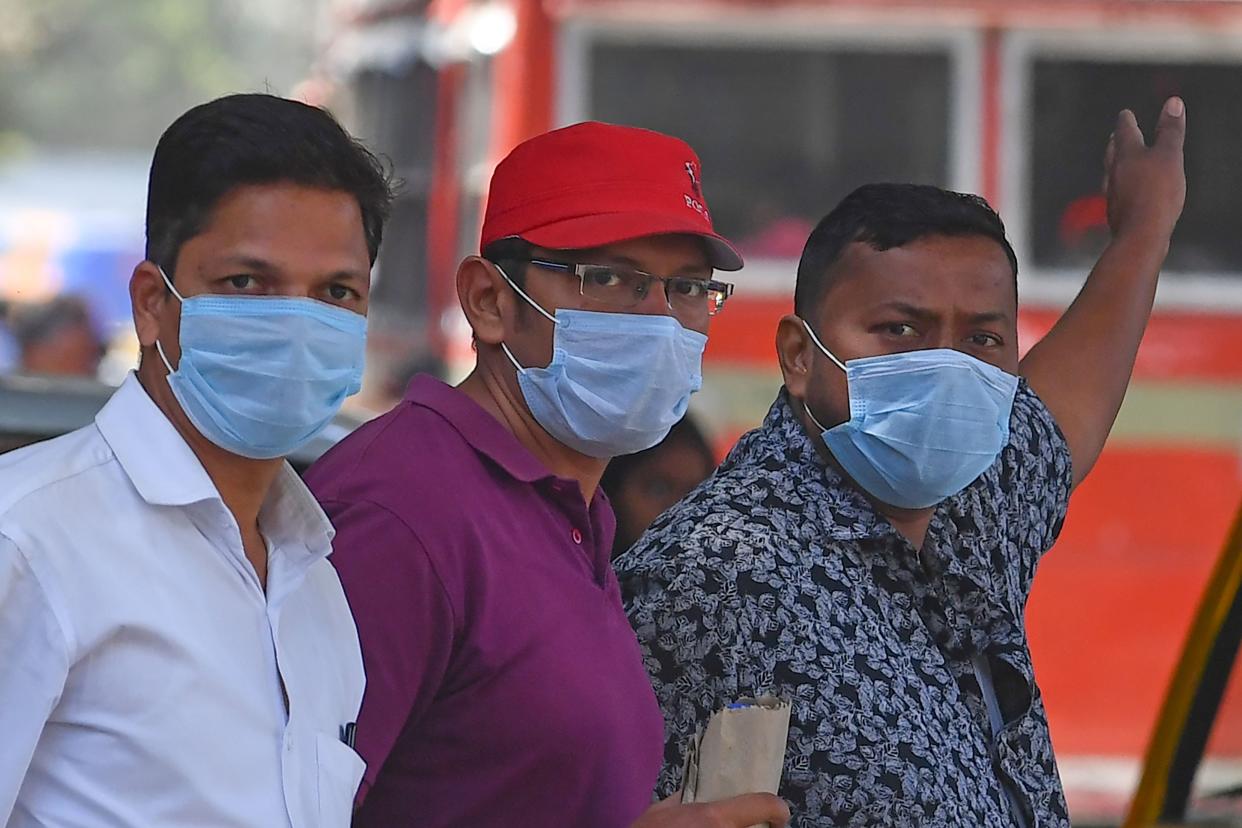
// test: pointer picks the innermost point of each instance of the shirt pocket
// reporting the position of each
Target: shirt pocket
(1024, 753)
(340, 772)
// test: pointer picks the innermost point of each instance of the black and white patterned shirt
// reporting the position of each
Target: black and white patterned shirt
(777, 576)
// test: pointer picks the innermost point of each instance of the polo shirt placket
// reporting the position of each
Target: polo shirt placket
(503, 676)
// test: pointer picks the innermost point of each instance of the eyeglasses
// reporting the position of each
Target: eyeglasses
(620, 286)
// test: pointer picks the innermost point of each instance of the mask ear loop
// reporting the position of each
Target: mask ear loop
(814, 419)
(529, 301)
(835, 361)
(158, 347)
(523, 294)
(821, 347)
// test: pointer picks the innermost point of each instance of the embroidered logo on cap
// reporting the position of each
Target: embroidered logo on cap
(695, 202)
(695, 186)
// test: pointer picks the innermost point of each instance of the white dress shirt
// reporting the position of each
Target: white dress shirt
(141, 663)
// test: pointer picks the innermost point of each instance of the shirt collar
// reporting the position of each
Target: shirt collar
(782, 445)
(291, 516)
(166, 472)
(483, 432)
(157, 460)
(844, 513)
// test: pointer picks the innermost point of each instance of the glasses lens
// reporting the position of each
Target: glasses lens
(618, 286)
(689, 299)
(695, 298)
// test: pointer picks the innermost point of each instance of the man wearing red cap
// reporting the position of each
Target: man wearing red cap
(504, 684)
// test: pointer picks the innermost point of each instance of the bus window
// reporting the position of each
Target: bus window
(1073, 104)
(783, 132)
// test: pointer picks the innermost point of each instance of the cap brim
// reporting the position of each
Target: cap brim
(596, 231)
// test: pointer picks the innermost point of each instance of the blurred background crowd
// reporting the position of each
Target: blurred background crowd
(790, 105)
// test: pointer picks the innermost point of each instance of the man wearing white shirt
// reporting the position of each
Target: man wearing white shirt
(175, 649)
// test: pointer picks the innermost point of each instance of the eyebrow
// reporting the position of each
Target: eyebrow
(265, 267)
(982, 318)
(908, 310)
(988, 318)
(248, 262)
(686, 268)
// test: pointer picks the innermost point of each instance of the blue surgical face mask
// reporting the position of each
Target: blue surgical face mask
(260, 376)
(617, 381)
(923, 424)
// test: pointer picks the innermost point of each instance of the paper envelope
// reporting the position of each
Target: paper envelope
(741, 750)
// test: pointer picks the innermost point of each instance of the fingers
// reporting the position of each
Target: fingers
(1171, 126)
(1110, 157)
(667, 803)
(753, 809)
(1170, 134)
(1127, 136)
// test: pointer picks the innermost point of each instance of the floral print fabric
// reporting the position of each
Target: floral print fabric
(776, 576)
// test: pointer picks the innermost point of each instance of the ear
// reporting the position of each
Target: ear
(794, 350)
(486, 299)
(148, 296)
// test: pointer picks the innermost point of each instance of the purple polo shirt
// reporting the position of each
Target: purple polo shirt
(504, 684)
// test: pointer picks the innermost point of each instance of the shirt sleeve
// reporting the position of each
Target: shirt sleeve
(34, 652)
(405, 624)
(692, 626)
(1036, 478)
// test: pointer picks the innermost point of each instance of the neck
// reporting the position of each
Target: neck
(243, 483)
(493, 386)
(910, 523)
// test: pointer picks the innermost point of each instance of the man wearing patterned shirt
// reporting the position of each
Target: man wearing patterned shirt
(868, 551)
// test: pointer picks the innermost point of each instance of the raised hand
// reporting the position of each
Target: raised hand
(1082, 367)
(1146, 186)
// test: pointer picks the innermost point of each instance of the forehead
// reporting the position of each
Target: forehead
(668, 252)
(941, 273)
(284, 220)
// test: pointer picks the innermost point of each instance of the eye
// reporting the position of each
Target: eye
(985, 340)
(658, 487)
(899, 329)
(603, 277)
(689, 288)
(241, 281)
(341, 293)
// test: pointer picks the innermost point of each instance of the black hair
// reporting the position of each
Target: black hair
(36, 323)
(620, 469)
(685, 430)
(240, 140)
(885, 216)
(511, 255)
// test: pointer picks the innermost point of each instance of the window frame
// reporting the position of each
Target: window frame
(1057, 287)
(810, 31)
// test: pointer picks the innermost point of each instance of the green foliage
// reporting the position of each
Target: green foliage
(112, 74)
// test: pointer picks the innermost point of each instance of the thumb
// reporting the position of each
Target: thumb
(1171, 127)
(666, 803)
(753, 809)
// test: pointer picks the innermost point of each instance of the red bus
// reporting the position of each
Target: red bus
(793, 104)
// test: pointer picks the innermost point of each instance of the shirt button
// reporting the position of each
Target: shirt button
(576, 535)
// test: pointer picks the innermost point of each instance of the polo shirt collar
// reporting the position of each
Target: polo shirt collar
(165, 471)
(483, 432)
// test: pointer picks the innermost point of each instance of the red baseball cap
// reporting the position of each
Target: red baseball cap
(593, 184)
